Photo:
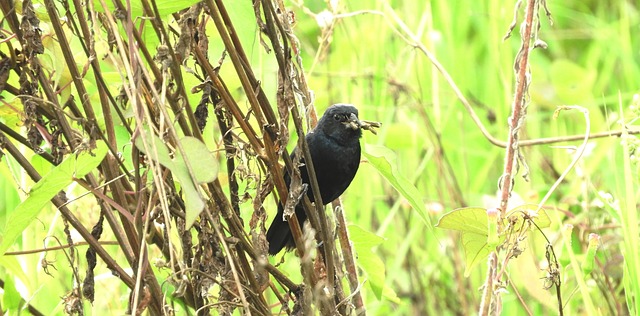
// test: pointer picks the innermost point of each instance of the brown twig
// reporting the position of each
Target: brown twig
(518, 112)
(349, 258)
(54, 248)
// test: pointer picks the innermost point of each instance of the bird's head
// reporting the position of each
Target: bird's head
(340, 122)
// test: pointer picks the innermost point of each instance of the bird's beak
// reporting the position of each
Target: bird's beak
(353, 122)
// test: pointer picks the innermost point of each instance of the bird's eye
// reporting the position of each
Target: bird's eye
(336, 117)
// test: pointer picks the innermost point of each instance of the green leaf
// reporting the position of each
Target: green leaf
(589, 258)
(158, 150)
(11, 299)
(374, 269)
(368, 261)
(124, 146)
(390, 295)
(74, 166)
(492, 220)
(384, 160)
(363, 238)
(193, 202)
(476, 249)
(473, 222)
(9, 198)
(41, 165)
(10, 110)
(541, 218)
(467, 219)
(202, 163)
(12, 267)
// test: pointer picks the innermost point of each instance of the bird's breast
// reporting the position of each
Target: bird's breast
(335, 166)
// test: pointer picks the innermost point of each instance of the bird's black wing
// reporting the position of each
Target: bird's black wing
(279, 233)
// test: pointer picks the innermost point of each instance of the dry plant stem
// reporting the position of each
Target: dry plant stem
(520, 298)
(487, 290)
(223, 207)
(106, 199)
(213, 279)
(177, 109)
(506, 180)
(286, 282)
(271, 18)
(285, 64)
(118, 193)
(231, 151)
(230, 104)
(301, 76)
(232, 264)
(106, 98)
(54, 248)
(176, 73)
(444, 166)
(59, 203)
(236, 60)
(253, 82)
(141, 116)
(517, 110)
(579, 152)
(69, 59)
(135, 35)
(232, 107)
(262, 150)
(89, 124)
(516, 120)
(241, 64)
(9, 12)
(265, 152)
(160, 196)
(349, 258)
(235, 226)
(132, 62)
(11, 133)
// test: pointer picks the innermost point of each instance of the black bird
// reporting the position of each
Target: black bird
(334, 145)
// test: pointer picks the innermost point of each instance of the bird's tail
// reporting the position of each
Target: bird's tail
(279, 234)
